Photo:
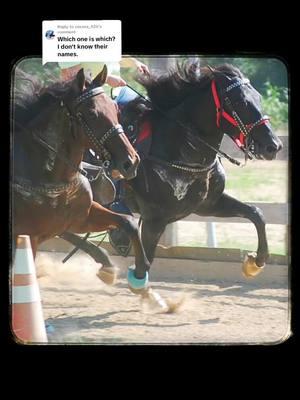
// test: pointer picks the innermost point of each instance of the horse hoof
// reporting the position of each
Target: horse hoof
(108, 275)
(156, 302)
(140, 292)
(135, 283)
(250, 268)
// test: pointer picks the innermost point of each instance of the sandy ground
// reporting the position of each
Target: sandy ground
(79, 308)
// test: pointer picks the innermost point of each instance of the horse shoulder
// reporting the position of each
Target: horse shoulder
(214, 184)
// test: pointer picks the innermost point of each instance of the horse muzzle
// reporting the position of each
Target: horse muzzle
(267, 151)
(128, 168)
(271, 150)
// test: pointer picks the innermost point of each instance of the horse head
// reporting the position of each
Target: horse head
(239, 113)
(97, 117)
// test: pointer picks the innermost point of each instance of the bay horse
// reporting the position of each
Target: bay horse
(189, 113)
(52, 127)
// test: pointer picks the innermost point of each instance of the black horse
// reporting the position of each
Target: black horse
(189, 112)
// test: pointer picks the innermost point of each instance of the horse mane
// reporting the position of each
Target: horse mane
(31, 96)
(170, 90)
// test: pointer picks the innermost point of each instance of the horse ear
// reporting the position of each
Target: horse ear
(100, 79)
(80, 79)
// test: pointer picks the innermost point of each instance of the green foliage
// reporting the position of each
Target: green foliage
(129, 74)
(275, 104)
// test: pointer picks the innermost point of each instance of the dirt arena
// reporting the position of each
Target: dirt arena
(218, 305)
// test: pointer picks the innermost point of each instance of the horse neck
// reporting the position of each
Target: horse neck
(205, 116)
(70, 151)
(196, 115)
(42, 165)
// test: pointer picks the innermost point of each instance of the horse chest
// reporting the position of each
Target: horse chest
(182, 183)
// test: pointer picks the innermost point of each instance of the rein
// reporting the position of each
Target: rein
(64, 159)
(47, 146)
(182, 167)
(234, 119)
(187, 128)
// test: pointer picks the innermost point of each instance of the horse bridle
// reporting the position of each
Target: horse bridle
(98, 143)
(242, 140)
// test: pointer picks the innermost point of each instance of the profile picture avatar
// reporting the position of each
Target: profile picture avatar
(50, 34)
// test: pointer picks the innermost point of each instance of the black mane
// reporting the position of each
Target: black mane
(30, 96)
(31, 99)
(168, 91)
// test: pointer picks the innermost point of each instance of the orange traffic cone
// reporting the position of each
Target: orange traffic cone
(27, 314)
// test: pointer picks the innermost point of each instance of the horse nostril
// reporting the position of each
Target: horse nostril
(280, 145)
(271, 148)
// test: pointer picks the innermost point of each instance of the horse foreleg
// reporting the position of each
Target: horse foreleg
(100, 219)
(227, 207)
(151, 233)
(98, 254)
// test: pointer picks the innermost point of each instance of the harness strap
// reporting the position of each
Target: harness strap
(217, 102)
(182, 167)
(188, 129)
(48, 189)
(234, 119)
(88, 94)
(65, 160)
